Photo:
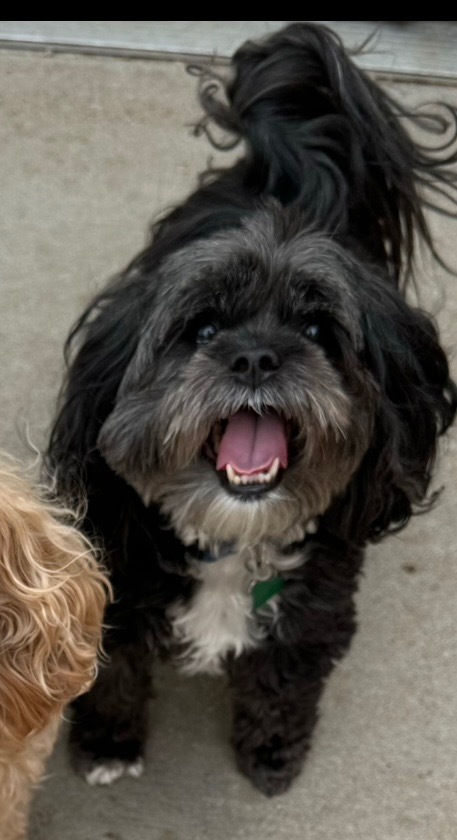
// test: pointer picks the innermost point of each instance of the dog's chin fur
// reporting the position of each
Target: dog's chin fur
(276, 289)
(196, 504)
(202, 511)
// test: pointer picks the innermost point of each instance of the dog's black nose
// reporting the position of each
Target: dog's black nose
(252, 367)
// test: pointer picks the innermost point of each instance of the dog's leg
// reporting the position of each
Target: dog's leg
(21, 768)
(277, 686)
(275, 712)
(109, 725)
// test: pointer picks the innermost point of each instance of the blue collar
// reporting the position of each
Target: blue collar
(227, 548)
(205, 556)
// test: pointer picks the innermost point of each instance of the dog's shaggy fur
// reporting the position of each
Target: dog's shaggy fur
(52, 599)
(253, 399)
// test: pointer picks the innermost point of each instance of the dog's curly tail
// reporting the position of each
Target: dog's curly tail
(321, 134)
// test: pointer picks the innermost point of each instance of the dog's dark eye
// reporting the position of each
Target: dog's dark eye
(201, 329)
(319, 327)
(313, 331)
(323, 330)
(206, 333)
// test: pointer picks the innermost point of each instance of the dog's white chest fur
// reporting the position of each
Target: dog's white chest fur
(218, 619)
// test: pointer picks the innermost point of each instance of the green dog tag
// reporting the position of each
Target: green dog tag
(263, 590)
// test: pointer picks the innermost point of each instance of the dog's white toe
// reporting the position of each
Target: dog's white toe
(136, 769)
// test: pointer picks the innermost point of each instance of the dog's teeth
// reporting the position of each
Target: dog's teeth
(312, 526)
(273, 472)
(232, 476)
(256, 478)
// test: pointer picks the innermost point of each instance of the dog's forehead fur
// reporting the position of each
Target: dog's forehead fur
(261, 265)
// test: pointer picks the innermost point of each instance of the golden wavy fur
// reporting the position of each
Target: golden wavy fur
(52, 598)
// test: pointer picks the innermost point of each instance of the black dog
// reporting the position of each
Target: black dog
(253, 400)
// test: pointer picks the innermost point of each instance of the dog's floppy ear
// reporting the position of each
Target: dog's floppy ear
(416, 403)
(106, 336)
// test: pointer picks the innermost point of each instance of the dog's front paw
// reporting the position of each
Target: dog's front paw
(104, 766)
(106, 772)
(271, 767)
(102, 759)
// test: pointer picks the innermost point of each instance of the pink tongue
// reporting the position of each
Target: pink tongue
(251, 443)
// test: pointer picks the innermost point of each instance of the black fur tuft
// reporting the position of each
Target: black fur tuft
(321, 134)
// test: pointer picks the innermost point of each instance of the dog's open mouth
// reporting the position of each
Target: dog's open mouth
(249, 452)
